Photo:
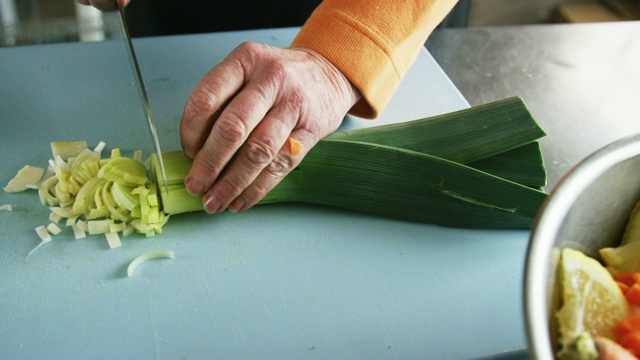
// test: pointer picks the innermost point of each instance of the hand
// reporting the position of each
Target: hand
(238, 119)
(104, 5)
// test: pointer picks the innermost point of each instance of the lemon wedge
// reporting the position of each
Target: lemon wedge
(591, 301)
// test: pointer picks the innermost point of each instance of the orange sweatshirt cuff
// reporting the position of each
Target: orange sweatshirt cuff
(344, 42)
(373, 43)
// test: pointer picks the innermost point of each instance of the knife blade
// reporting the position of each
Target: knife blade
(142, 91)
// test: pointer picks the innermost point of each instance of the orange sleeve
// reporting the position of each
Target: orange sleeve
(373, 42)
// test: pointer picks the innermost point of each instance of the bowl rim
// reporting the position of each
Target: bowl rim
(545, 228)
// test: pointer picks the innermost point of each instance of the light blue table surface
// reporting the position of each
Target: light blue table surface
(279, 281)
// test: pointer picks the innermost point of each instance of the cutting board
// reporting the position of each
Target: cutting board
(278, 281)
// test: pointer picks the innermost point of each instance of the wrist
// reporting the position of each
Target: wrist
(343, 84)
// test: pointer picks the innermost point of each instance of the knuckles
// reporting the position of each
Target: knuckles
(277, 169)
(260, 152)
(199, 102)
(231, 128)
(265, 63)
(207, 164)
(279, 166)
(247, 53)
(258, 192)
(230, 188)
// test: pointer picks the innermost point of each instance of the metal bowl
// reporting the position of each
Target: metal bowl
(587, 210)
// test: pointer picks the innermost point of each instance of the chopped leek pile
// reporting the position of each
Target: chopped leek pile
(476, 168)
(96, 195)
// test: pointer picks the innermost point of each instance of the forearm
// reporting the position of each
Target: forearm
(373, 42)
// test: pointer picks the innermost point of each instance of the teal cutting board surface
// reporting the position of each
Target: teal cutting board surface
(278, 281)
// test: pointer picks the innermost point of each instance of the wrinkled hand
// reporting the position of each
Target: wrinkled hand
(238, 119)
(104, 5)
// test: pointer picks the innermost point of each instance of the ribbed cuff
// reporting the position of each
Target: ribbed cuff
(357, 52)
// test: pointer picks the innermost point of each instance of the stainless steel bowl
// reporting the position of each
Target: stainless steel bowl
(587, 210)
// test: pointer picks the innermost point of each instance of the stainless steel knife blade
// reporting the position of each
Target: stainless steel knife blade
(143, 92)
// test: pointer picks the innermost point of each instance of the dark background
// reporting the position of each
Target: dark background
(169, 17)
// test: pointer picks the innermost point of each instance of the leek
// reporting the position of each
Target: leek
(98, 196)
(26, 176)
(417, 171)
(67, 149)
(523, 165)
(462, 136)
(489, 137)
(168, 254)
(477, 168)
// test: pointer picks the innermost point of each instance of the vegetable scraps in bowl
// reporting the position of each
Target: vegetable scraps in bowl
(599, 313)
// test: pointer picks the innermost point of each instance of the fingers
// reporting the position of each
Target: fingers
(280, 166)
(206, 102)
(228, 133)
(259, 165)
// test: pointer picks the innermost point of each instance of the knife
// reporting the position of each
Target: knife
(143, 93)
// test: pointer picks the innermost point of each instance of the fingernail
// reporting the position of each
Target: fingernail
(212, 205)
(188, 152)
(237, 205)
(194, 186)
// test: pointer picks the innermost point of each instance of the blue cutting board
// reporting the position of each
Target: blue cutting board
(278, 281)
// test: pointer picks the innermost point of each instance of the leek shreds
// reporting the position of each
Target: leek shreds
(54, 217)
(72, 220)
(96, 227)
(44, 236)
(26, 176)
(147, 256)
(78, 232)
(98, 149)
(54, 229)
(113, 239)
(137, 156)
(47, 174)
(46, 192)
(82, 225)
(97, 195)
(117, 227)
(128, 230)
(67, 149)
